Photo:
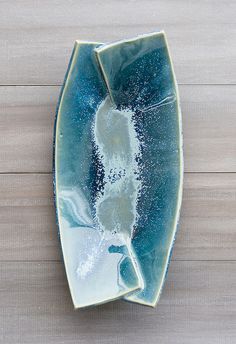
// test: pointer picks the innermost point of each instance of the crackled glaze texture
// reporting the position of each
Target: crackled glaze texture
(99, 261)
(139, 76)
(118, 169)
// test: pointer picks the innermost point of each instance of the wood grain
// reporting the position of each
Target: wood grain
(37, 37)
(206, 230)
(197, 306)
(27, 116)
(26, 128)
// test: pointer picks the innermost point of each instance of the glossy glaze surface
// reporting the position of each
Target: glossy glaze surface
(139, 76)
(98, 260)
(118, 169)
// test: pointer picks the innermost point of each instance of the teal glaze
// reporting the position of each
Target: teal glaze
(139, 76)
(100, 265)
(118, 169)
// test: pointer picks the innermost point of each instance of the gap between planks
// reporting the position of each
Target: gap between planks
(50, 173)
(60, 260)
(60, 85)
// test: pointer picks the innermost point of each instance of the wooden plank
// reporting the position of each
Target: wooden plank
(206, 230)
(26, 128)
(27, 218)
(208, 222)
(197, 306)
(36, 37)
(209, 128)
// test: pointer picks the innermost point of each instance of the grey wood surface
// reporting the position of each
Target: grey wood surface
(207, 225)
(209, 128)
(37, 35)
(198, 304)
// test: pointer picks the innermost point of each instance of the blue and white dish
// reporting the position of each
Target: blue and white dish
(118, 169)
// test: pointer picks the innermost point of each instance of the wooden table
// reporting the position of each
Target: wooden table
(198, 304)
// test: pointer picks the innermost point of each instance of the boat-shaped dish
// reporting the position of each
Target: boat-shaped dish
(118, 169)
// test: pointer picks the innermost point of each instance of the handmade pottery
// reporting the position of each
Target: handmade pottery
(118, 169)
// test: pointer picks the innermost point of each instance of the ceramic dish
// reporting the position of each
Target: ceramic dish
(118, 169)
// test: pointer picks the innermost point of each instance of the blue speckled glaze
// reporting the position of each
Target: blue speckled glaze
(139, 75)
(100, 266)
(118, 169)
